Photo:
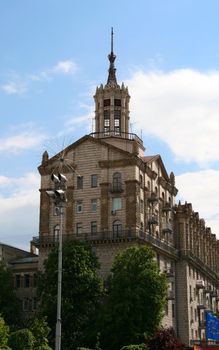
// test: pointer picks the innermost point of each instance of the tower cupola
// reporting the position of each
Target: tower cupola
(112, 104)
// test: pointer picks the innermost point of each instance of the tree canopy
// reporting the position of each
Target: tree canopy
(137, 296)
(9, 304)
(81, 290)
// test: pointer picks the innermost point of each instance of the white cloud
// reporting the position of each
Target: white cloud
(18, 85)
(181, 108)
(19, 209)
(14, 88)
(202, 190)
(65, 67)
(24, 140)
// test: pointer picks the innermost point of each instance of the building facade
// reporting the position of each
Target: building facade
(117, 196)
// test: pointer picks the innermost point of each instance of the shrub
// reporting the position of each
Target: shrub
(165, 339)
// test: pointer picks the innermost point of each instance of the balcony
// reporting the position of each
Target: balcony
(167, 227)
(116, 187)
(152, 198)
(107, 236)
(169, 272)
(167, 207)
(153, 220)
(213, 294)
(200, 284)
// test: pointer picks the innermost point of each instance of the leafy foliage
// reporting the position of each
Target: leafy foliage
(137, 296)
(22, 339)
(81, 290)
(165, 339)
(134, 347)
(40, 331)
(4, 332)
(9, 304)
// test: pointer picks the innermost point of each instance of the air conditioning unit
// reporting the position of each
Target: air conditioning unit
(113, 212)
(200, 284)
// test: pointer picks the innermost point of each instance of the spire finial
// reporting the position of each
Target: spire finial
(112, 40)
(112, 70)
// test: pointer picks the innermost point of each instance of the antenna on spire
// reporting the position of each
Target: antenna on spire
(111, 39)
(112, 70)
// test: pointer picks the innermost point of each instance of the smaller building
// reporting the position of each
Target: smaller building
(25, 283)
(24, 266)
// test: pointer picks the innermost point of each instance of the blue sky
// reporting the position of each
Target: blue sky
(54, 54)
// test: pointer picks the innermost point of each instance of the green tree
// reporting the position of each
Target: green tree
(81, 290)
(9, 304)
(22, 339)
(137, 296)
(40, 331)
(4, 333)
(165, 339)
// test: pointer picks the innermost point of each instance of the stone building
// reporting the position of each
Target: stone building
(117, 196)
(24, 266)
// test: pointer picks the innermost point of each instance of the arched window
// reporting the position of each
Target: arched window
(56, 233)
(117, 228)
(117, 181)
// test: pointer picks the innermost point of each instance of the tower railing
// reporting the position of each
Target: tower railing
(115, 133)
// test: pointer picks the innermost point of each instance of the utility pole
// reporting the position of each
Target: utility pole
(59, 199)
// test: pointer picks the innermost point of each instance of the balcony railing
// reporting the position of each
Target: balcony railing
(108, 236)
(115, 133)
(116, 187)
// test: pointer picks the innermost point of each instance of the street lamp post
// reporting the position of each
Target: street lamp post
(59, 198)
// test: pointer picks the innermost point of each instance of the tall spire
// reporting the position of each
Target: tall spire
(112, 70)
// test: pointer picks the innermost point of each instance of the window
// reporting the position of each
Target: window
(93, 205)
(17, 281)
(106, 102)
(79, 206)
(56, 233)
(141, 181)
(79, 229)
(117, 228)
(106, 116)
(26, 281)
(79, 182)
(117, 203)
(93, 227)
(34, 280)
(94, 180)
(141, 206)
(26, 304)
(117, 122)
(117, 102)
(117, 182)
